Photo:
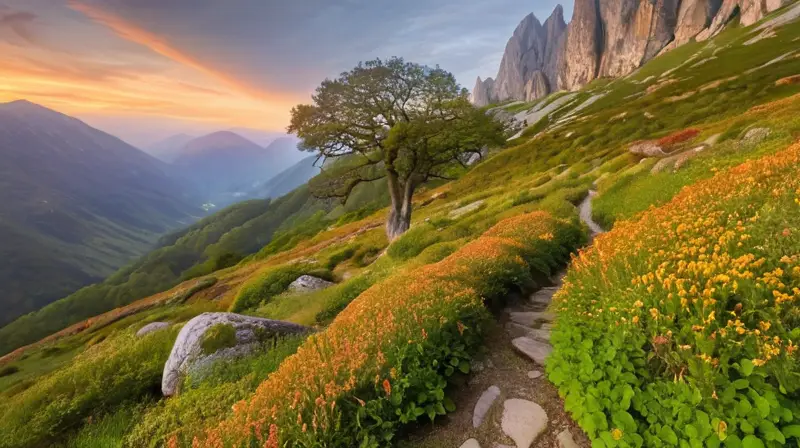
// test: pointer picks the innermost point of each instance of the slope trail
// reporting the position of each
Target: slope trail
(508, 401)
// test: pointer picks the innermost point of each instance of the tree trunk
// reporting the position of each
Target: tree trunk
(399, 219)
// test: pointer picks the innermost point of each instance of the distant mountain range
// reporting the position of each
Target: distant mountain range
(225, 167)
(76, 204)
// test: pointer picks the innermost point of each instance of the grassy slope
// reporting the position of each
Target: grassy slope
(547, 171)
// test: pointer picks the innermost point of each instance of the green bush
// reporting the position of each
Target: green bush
(8, 371)
(97, 381)
(413, 242)
(270, 283)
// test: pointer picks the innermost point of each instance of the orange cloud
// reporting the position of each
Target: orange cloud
(156, 43)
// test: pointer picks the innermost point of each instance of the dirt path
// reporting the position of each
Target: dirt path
(508, 401)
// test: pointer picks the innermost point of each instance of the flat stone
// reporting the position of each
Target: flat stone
(471, 443)
(539, 334)
(547, 327)
(459, 212)
(523, 421)
(485, 403)
(500, 445)
(565, 440)
(533, 374)
(535, 350)
(529, 318)
(151, 327)
(544, 295)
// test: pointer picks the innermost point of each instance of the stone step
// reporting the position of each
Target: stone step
(523, 421)
(530, 318)
(471, 443)
(544, 295)
(516, 330)
(537, 351)
(483, 405)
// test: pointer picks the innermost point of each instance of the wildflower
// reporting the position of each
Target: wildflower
(654, 313)
(635, 319)
(638, 304)
(764, 325)
(460, 328)
(759, 362)
(616, 434)
(387, 387)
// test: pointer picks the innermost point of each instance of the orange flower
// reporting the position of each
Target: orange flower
(387, 387)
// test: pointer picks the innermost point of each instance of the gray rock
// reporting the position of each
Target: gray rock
(544, 295)
(581, 58)
(535, 350)
(483, 93)
(471, 443)
(647, 149)
(755, 136)
(151, 327)
(530, 318)
(523, 421)
(483, 405)
(533, 374)
(566, 440)
(539, 334)
(308, 283)
(536, 87)
(459, 212)
(187, 352)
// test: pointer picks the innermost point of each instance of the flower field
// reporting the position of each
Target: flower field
(386, 359)
(680, 328)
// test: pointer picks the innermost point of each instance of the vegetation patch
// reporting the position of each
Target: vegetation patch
(388, 356)
(218, 337)
(262, 288)
(681, 327)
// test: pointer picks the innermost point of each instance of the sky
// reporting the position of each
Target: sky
(147, 69)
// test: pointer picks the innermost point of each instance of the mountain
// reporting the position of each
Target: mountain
(77, 203)
(609, 38)
(224, 166)
(289, 179)
(169, 149)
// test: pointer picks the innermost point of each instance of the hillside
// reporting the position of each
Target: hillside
(77, 204)
(677, 327)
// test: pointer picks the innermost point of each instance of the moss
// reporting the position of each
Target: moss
(218, 337)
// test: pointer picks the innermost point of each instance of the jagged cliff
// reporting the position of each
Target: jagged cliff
(605, 38)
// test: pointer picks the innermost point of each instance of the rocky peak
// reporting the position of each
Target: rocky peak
(582, 49)
(482, 94)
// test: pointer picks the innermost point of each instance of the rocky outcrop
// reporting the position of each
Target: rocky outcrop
(584, 41)
(483, 93)
(606, 38)
(536, 87)
(151, 328)
(309, 283)
(189, 354)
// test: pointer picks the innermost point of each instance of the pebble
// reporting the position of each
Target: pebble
(533, 374)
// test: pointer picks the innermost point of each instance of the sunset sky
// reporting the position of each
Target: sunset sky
(147, 69)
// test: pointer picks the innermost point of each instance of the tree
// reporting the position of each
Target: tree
(396, 120)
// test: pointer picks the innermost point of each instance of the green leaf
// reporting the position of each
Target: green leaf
(746, 367)
(733, 442)
(463, 366)
(449, 405)
(763, 406)
(791, 431)
(668, 435)
(752, 441)
(741, 384)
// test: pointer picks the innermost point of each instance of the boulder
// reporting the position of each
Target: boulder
(523, 421)
(755, 136)
(461, 211)
(246, 332)
(151, 327)
(647, 149)
(308, 283)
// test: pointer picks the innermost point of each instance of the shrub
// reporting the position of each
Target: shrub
(385, 360)
(103, 377)
(413, 242)
(8, 371)
(680, 328)
(270, 283)
(206, 402)
(182, 296)
(677, 137)
(218, 337)
(340, 256)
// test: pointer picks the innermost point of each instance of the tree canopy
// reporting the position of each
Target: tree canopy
(392, 119)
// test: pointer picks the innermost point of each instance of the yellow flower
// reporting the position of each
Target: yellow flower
(616, 434)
